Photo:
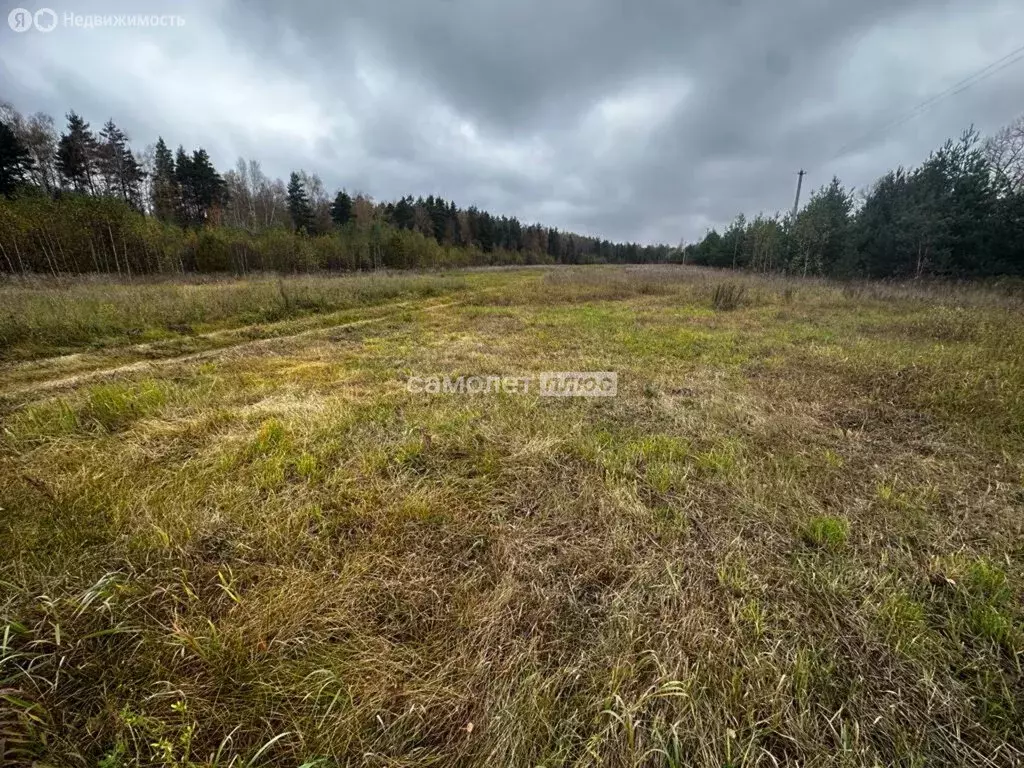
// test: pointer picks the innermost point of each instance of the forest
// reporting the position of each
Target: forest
(80, 201)
(959, 215)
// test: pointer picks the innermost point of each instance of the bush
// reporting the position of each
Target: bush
(212, 252)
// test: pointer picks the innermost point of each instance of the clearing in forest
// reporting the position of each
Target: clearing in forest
(231, 535)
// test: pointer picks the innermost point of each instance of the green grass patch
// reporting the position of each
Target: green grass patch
(826, 532)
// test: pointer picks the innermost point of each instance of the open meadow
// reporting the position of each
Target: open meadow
(231, 536)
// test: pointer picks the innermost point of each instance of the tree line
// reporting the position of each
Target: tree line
(960, 214)
(83, 201)
(80, 201)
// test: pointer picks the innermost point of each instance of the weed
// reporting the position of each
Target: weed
(826, 532)
(727, 296)
(990, 623)
(270, 437)
(114, 406)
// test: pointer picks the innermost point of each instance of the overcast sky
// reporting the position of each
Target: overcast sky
(646, 120)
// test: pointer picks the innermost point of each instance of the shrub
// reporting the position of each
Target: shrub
(212, 252)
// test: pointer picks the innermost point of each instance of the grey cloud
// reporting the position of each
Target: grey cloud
(645, 121)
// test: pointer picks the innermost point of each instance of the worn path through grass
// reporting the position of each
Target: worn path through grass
(248, 339)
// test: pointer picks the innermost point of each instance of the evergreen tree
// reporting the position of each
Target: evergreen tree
(117, 165)
(485, 230)
(821, 232)
(571, 254)
(186, 208)
(938, 219)
(76, 155)
(437, 208)
(209, 191)
(201, 188)
(453, 227)
(733, 252)
(403, 215)
(15, 161)
(1008, 234)
(554, 244)
(874, 228)
(165, 197)
(341, 209)
(709, 252)
(969, 199)
(298, 204)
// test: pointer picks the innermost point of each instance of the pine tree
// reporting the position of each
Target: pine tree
(404, 215)
(298, 204)
(485, 231)
(209, 191)
(341, 210)
(554, 244)
(970, 201)
(76, 155)
(453, 228)
(117, 165)
(165, 195)
(1008, 234)
(821, 231)
(186, 209)
(202, 190)
(438, 210)
(15, 162)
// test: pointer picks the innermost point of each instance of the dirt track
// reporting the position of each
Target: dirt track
(47, 386)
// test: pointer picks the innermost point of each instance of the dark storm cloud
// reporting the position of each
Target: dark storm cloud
(632, 120)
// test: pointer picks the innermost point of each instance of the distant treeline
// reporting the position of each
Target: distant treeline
(959, 215)
(87, 202)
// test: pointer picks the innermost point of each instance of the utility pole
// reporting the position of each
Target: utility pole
(799, 185)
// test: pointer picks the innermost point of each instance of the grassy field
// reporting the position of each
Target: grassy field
(795, 536)
(47, 317)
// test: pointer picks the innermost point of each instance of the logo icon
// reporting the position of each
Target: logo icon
(20, 20)
(45, 19)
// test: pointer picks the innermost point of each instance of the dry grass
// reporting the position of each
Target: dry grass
(727, 296)
(43, 316)
(793, 537)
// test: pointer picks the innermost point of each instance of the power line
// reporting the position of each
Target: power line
(959, 87)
